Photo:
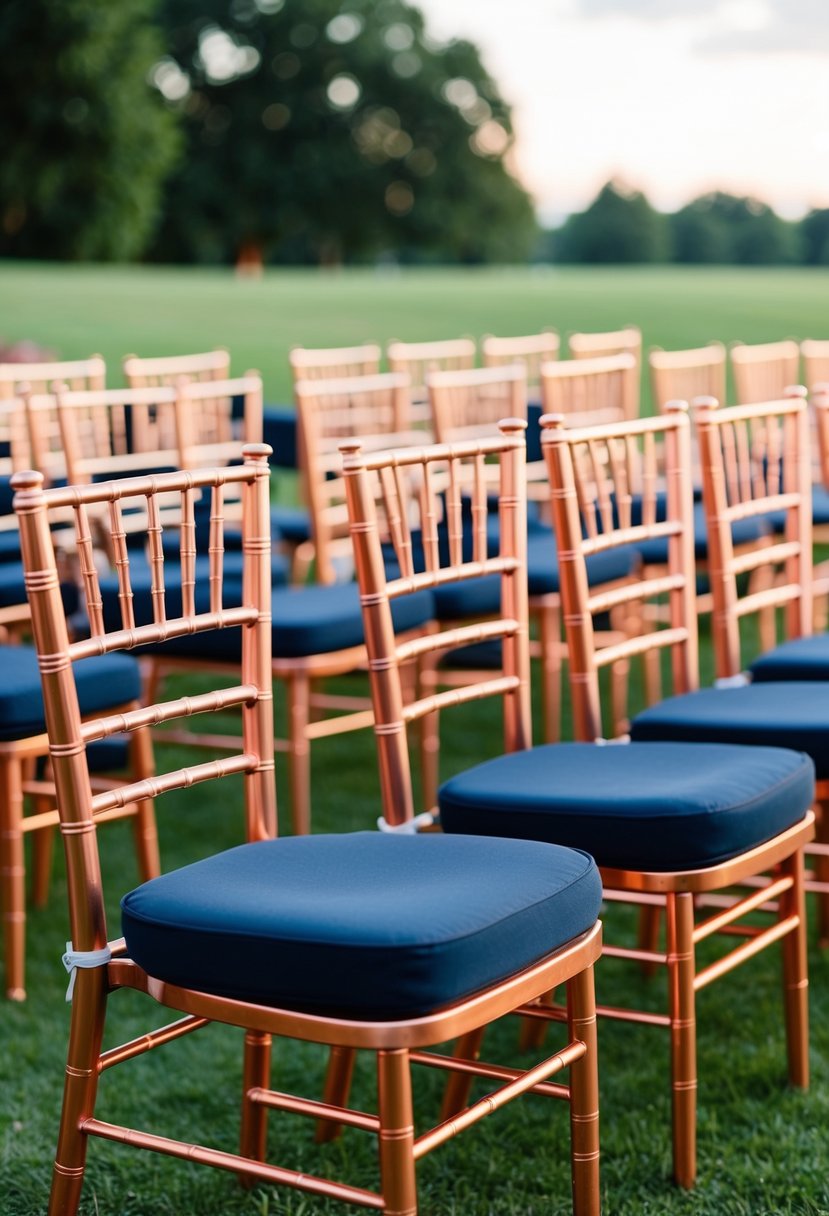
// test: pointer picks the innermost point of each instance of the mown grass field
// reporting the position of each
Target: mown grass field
(763, 1149)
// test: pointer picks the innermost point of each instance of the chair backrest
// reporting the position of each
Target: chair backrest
(627, 341)
(334, 362)
(39, 377)
(756, 462)
(417, 359)
(467, 404)
(815, 362)
(530, 350)
(613, 486)
(83, 436)
(587, 391)
(169, 369)
(763, 371)
(217, 416)
(415, 499)
(378, 409)
(680, 375)
(80, 811)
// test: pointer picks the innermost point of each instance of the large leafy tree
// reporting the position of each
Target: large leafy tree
(86, 142)
(620, 225)
(319, 130)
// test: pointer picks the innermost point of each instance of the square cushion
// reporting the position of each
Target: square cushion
(637, 806)
(360, 925)
(799, 659)
(13, 588)
(103, 682)
(774, 714)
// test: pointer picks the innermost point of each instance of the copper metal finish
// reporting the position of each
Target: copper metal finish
(530, 350)
(39, 377)
(593, 472)
(392, 1041)
(392, 495)
(762, 371)
(680, 375)
(756, 460)
(168, 370)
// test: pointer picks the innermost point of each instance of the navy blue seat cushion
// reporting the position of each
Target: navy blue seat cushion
(290, 523)
(360, 925)
(778, 714)
(799, 659)
(102, 682)
(743, 532)
(10, 546)
(306, 620)
(13, 588)
(639, 806)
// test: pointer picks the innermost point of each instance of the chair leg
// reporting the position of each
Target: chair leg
(429, 734)
(397, 1163)
(43, 847)
(534, 1030)
(796, 978)
(299, 751)
(681, 1002)
(338, 1077)
(456, 1094)
(650, 921)
(12, 876)
(256, 1075)
(584, 1095)
(821, 865)
(80, 1089)
(144, 827)
(549, 629)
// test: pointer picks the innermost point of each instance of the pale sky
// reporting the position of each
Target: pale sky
(675, 96)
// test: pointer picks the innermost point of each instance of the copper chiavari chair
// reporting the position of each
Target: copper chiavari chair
(603, 388)
(530, 350)
(308, 364)
(466, 405)
(762, 371)
(414, 491)
(417, 359)
(756, 460)
(375, 407)
(167, 370)
(664, 821)
(681, 375)
(245, 938)
(27, 802)
(334, 362)
(627, 341)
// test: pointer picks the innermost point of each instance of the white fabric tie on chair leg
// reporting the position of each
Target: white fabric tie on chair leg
(411, 827)
(87, 959)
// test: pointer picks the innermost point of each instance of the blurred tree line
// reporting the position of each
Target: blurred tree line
(620, 225)
(300, 131)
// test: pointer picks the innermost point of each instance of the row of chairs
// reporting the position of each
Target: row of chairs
(713, 792)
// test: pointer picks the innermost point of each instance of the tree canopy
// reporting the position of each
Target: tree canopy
(86, 142)
(720, 227)
(620, 225)
(317, 132)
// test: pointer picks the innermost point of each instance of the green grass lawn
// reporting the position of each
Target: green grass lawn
(78, 310)
(763, 1149)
